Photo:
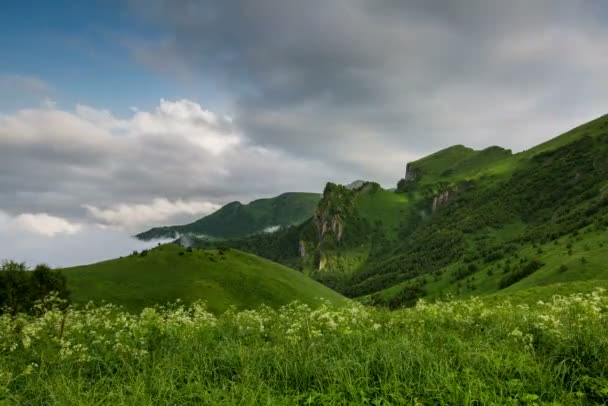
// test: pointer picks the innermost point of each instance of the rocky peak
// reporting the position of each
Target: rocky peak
(335, 206)
(411, 174)
(356, 184)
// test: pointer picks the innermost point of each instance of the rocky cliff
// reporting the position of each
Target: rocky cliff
(443, 199)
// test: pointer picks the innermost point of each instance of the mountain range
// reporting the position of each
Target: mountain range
(460, 222)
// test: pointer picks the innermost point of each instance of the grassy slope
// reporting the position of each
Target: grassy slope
(238, 220)
(235, 278)
(464, 163)
(580, 275)
(490, 167)
(459, 163)
(384, 207)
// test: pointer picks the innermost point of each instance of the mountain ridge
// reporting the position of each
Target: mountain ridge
(465, 221)
(236, 219)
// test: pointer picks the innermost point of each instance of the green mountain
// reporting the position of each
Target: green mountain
(238, 220)
(222, 278)
(461, 222)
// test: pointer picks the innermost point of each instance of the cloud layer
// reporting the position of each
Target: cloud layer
(172, 164)
(348, 81)
(40, 238)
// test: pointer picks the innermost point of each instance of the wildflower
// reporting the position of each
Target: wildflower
(28, 370)
(516, 333)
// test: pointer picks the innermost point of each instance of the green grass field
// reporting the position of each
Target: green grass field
(453, 353)
(170, 272)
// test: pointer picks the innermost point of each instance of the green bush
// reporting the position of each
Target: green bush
(21, 288)
(515, 276)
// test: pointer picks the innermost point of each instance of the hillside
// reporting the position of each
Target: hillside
(239, 220)
(222, 278)
(461, 223)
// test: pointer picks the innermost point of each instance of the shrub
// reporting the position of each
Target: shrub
(20, 289)
(520, 274)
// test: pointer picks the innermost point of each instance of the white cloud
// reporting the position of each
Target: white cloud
(170, 165)
(44, 224)
(420, 76)
(131, 216)
(91, 244)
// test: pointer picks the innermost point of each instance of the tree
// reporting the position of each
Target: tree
(20, 288)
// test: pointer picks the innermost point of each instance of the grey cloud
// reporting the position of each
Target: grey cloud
(74, 163)
(335, 80)
(88, 246)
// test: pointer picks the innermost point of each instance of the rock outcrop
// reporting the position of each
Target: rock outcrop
(443, 199)
(333, 210)
(411, 174)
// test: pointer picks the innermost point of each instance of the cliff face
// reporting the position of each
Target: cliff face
(411, 174)
(336, 228)
(443, 199)
(334, 208)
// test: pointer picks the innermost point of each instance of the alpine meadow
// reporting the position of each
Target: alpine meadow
(341, 202)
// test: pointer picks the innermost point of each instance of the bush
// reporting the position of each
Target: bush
(20, 288)
(520, 274)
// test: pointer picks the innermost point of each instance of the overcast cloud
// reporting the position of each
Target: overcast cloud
(321, 90)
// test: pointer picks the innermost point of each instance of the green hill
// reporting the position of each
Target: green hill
(453, 164)
(238, 220)
(222, 278)
(462, 223)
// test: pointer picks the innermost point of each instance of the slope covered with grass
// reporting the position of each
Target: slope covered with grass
(169, 272)
(475, 352)
(456, 163)
(239, 220)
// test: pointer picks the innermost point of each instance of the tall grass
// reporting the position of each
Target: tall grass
(453, 353)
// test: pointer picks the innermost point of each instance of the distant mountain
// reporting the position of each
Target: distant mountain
(239, 220)
(222, 278)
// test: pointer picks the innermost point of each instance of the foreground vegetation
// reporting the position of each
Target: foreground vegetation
(465, 352)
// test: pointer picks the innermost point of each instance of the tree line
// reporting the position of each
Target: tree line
(21, 288)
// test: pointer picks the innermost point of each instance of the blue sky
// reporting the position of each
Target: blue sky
(84, 51)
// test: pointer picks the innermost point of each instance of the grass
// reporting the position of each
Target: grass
(459, 163)
(593, 128)
(169, 272)
(383, 207)
(569, 259)
(460, 353)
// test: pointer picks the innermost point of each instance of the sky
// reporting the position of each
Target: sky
(116, 116)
